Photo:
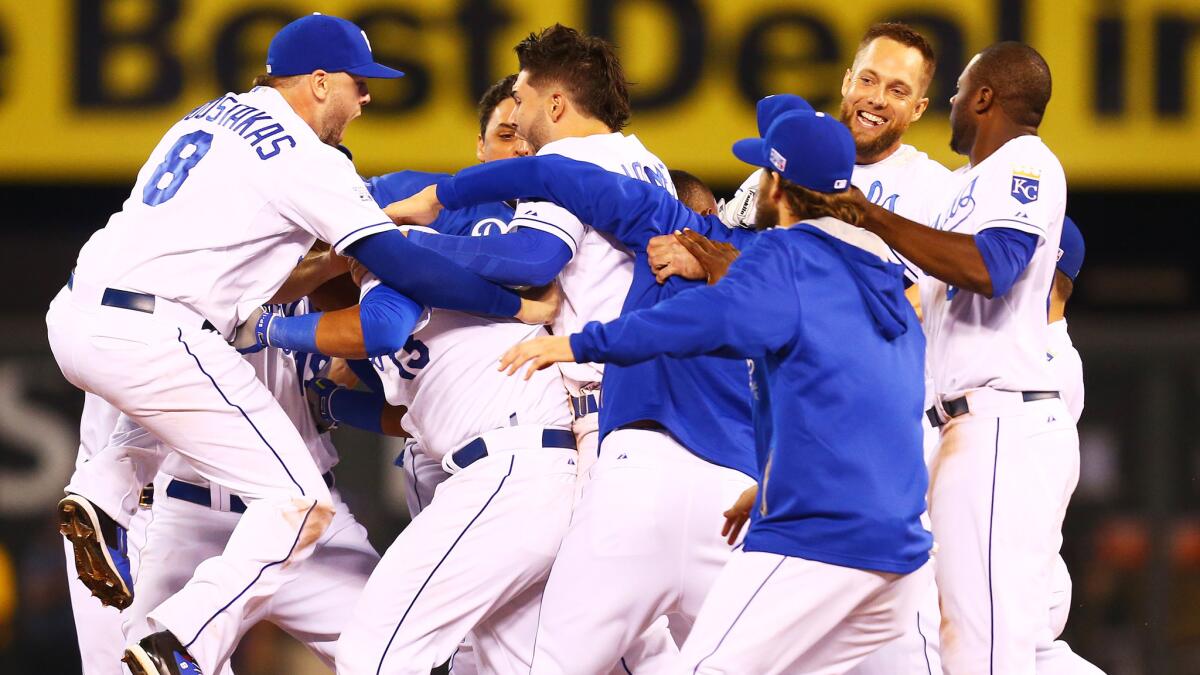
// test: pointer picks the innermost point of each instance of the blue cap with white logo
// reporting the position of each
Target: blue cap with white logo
(1070, 249)
(323, 42)
(771, 107)
(811, 149)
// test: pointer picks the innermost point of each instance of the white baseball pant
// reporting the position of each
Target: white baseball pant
(647, 537)
(831, 619)
(189, 388)
(999, 489)
(313, 607)
(474, 561)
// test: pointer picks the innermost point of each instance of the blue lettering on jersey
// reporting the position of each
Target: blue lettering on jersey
(875, 196)
(244, 120)
(960, 209)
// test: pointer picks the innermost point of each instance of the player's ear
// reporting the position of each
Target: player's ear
(846, 81)
(984, 99)
(319, 83)
(479, 147)
(556, 105)
(919, 110)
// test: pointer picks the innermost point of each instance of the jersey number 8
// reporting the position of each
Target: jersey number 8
(178, 163)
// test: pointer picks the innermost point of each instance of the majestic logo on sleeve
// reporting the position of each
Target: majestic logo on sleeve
(1025, 184)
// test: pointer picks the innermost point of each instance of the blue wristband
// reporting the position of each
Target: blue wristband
(297, 333)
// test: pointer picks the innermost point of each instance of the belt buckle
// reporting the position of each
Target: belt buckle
(146, 499)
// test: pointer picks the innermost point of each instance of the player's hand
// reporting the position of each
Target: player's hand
(251, 335)
(540, 305)
(714, 256)
(738, 514)
(319, 393)
(357, 271)
(420, 209)
(538, 353)
(669, 258)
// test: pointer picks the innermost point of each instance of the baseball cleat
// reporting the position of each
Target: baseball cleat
(101, 550)
(160, 654)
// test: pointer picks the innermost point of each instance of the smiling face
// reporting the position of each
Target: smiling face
(882, 94)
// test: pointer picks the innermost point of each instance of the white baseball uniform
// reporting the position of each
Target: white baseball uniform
(235, 193)
(597, 279)
(1067, 367)
(475, 559)
(1004, 470)
(98, 628)
(192, 520)
(1054, 655)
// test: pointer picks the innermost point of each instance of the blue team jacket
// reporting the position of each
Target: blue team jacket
(703, 401)
(474, 220)
(843, 479)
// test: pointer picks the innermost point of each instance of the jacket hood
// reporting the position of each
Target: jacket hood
(879, 280)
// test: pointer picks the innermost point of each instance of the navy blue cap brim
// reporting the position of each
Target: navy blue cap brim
(375, 70)
(751, 151)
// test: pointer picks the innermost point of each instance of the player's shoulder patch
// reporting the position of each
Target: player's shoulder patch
(1026, 181)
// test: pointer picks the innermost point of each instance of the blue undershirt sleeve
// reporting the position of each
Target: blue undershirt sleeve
(526, 257)
(430, 279)
(752, 311)
(366, 374)
(359, 409)
(387, 319)
(1006, 253)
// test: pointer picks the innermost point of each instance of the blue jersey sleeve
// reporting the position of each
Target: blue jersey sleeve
(430, 279)
(632, 210)
(750, 312)
(1006, 253)
(392, 187)
(523, 258)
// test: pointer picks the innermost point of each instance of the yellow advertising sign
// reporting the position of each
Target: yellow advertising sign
(87, 87)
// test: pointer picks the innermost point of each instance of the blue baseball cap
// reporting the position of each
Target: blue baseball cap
(1070, 249)
(771, 107)
(323, 42)
(811, 149)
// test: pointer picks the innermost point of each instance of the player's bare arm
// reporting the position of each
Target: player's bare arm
(539, 353)
(952, 257)
(319, 265)
(420, 209)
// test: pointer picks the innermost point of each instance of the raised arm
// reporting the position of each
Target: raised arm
(753, 310)
(630, 209)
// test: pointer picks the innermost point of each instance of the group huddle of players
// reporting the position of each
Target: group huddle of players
(604, 374)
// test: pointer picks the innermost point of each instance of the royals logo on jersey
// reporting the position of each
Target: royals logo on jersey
(1025, 185)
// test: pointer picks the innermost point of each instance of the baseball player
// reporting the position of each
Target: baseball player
(836, 526)
(97, 627)
(232, 196)
(883, 93)
(1008, 458)
(193, 521)
(669, 527)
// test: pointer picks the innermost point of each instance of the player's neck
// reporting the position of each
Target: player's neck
(304, 107)
(864, 160)
(991, 138)
(577, 126)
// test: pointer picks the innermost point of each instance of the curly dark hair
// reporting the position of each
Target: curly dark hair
(586, 67)
(492, 98)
